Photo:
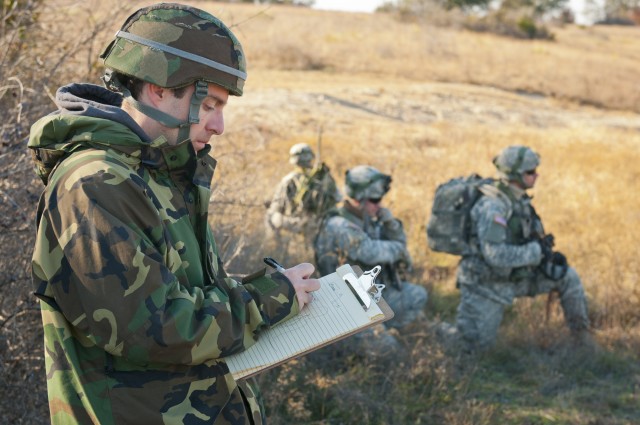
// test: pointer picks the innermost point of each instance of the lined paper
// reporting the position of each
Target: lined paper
(334, 313)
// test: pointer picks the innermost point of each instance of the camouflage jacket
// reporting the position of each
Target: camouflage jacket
(137, 310)
(346, 236)
(301, 197)
(503, 230)
(284, 212)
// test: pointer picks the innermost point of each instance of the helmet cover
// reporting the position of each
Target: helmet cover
(366, 182)
(514, 161)
(301, 155)
(173, 45)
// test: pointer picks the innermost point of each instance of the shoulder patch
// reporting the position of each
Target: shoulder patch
(500, 220)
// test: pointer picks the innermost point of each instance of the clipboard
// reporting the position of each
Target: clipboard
(343, 306)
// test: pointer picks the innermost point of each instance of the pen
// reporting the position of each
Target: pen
(273, 263)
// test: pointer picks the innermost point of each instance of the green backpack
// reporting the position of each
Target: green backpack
(318, 193)
(449, 226)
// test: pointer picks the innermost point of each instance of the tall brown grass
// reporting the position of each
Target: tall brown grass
(425, 104)
(594, 65)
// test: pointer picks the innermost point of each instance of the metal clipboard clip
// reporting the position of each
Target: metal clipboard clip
(365, 287)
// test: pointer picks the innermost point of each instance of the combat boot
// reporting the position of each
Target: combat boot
(582, 339)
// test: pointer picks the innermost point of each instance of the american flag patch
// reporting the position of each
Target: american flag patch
(500, 220)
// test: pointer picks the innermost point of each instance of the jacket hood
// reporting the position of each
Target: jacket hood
(89, 116)
(77, 101)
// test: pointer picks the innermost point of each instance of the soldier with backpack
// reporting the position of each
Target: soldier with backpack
(302, 196)
(505, 250)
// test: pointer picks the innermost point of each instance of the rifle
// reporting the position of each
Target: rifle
(546, 242)
(553, 265)
(317, 173)
(319, 147)
(394, 274)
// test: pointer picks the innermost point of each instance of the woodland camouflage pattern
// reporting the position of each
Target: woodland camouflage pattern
(138, 312)
(346, 237)
(504, 265)
(181, 27)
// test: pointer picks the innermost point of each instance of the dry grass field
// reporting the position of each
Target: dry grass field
(424, 103)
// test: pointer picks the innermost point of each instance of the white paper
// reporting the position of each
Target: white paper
(334, 312)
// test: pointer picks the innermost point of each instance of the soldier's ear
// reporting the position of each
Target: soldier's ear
(154, 94)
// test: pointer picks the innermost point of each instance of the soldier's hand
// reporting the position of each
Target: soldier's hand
(299, 276)
(546, 249)
(559, 259)
(404, 267)
(276, 220)
(555, 267)
(384, 215)
(549, 240)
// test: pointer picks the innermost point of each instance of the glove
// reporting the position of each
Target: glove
(275, 220)
(384, 215)
(555, 267)
(559, 259)
(549, 240)
(404, 266)
(546, 246)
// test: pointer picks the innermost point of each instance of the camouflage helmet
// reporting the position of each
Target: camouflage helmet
(173, 45)
(513, 161)
(301, 155)
(366, 182)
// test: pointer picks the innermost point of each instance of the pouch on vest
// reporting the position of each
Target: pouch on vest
(318, 192)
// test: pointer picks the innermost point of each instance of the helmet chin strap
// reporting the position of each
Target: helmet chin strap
(163, 118)
(516, 174)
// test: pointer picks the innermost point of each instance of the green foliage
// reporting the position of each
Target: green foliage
(538, 7)
(465, 4)
(517, 26)
(620, 9)
(528, 26)
(419, 6)
(513, 18)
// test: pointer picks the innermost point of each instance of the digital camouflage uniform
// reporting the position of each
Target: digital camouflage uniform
(286, 214)
(137, 310)
(292, 208)
(504, 265)
(347, 236)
